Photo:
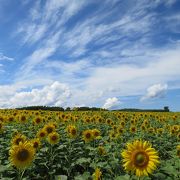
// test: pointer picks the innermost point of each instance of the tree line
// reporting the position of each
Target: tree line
(54, 108)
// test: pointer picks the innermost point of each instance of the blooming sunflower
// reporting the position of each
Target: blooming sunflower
(41, 134)
(49, 128)
(22, 155)
(36, 143)
(22, 119)
(87, 135)
(53, 138)
(95, 133)
(73, 132)
(37, 120)
(133, 129)
(140, 157)
(18, 138)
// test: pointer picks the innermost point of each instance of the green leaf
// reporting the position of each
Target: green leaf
(85, 176)
(61, 177)
(125, 177)
(83, 160)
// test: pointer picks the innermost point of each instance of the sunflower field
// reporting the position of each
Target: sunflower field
(87, 145)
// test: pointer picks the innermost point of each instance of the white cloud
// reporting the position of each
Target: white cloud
(94, 83)
(6, 58)
(111, 103)
(96, 57)
(155, 91)
(169, 2)
(55, 94)
(47, 19)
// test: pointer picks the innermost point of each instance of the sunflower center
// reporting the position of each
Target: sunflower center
(88, 135)
(36, 144)
(23, 118)
(38, 120)
(96, 133)
(23, 155)
(141, 159)
(73, 131)
(42, 134)
(49, 130)
(54, 138)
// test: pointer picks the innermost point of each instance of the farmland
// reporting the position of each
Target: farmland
(89, 145)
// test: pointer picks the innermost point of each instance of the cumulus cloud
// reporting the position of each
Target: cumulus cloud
(155, 91)
(111, 103)
(55, 94)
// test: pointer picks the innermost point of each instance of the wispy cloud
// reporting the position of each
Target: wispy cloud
(98, 49)
(5, 58)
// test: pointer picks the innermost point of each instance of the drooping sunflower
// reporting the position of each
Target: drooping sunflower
(53, 138)
(22, 155)
(97, 174)
(87, 135)
(140, 157)
(18, 138)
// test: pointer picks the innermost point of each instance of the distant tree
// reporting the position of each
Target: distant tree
(166, 108)
(68, 109)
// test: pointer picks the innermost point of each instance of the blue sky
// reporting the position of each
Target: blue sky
(111, 53)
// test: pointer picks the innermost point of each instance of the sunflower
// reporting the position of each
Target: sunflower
(49, 128)
(97, 174)
(87, 135)
(113, 135)
(133, 129)
(18, 138)
(101, 150)
(95, 133)
(140, 158)
(108, 121)
(73, 132)
(122, 123)
(22, 155)
(37, 120)
(120, 130)
(53, 138)
(36, 143)
(178, 136)
(41, 134)
(1, 127)
(143, 127)
(22, 119)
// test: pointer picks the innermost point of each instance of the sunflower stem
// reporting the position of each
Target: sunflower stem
(20, 174)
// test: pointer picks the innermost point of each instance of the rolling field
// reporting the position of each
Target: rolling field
(79, 145)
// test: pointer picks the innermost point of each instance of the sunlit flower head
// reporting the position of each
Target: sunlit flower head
(140, 157)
